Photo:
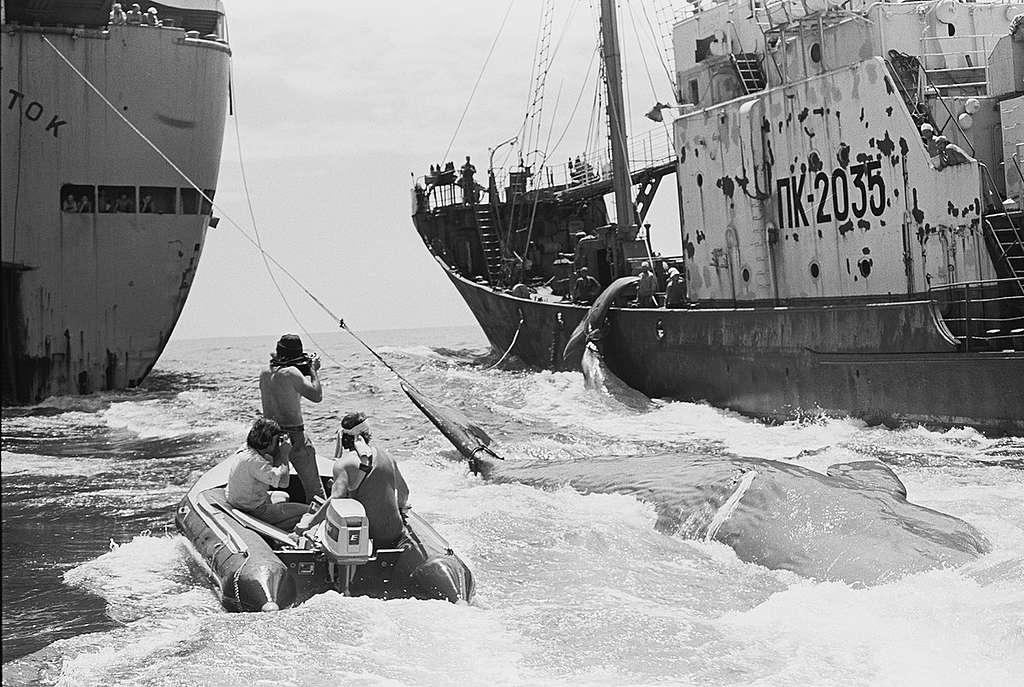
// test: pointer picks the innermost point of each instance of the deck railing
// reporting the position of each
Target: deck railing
(654, 148)
(985, 314)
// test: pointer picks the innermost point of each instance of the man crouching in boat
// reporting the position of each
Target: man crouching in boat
(370, 476)
(291, 376)
(258, 466)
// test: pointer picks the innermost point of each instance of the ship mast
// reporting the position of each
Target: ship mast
(624, 211)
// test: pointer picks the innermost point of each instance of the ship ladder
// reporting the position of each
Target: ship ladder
(748, 68)
(1009, 246)
(489, 243)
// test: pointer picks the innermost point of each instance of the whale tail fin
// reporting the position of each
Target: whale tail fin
(469, 438)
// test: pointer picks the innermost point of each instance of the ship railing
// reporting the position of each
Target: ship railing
(983, 314)
(952, 67)
(651, 149)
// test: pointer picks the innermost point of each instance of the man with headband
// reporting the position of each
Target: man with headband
(370, 476)
(291, 376)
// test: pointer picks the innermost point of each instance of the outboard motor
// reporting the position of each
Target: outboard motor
(345, 538)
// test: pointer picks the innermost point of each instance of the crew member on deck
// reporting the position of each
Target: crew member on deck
(258, 466)
(646, 287)
(586, 288)
(291, 376)
(950, 154)
(467, 183)
(371, 476)
(134, 16)
(675, 289)
(117, 15)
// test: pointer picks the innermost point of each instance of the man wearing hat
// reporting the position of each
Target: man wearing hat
(371, 476)
(291, 376)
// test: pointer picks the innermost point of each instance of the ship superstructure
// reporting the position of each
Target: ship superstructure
(101, 237)
(837, 255)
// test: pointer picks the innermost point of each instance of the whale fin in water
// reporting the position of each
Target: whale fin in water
(871, 474)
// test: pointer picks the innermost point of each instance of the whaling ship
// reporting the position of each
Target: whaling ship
(835, 257)
(101, 237)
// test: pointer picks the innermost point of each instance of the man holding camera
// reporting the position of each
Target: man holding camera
(291, 376)
(260, 465)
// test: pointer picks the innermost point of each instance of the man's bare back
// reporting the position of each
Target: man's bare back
(281, 390)
(291, 376)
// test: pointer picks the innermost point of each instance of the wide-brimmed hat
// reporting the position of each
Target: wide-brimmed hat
(289, 347)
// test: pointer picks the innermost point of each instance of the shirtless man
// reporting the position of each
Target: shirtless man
(370, 476)
(291, 376)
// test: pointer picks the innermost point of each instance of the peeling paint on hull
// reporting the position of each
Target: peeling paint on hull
(899, 368)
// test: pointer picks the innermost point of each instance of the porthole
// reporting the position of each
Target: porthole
(864, 265)
(745, 274)
(815, 270)
(816, 53)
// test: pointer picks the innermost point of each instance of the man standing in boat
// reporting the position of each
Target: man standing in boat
(371, 476)
(291, 376)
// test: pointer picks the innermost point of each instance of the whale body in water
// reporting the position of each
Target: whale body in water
(853, 524)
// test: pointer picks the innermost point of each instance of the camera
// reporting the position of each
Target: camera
(306, 365)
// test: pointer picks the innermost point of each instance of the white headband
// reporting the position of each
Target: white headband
(357, 430)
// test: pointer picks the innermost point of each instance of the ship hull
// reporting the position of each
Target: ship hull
(888, 363)
(91, 297)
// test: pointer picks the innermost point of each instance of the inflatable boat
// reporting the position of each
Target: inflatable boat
(258, 567)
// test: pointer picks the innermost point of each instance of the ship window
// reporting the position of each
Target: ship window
(157, 199)
(206, 208)
(117, 199)
(189, 201)
(694, 92)
(816, 53)
(815, 270)
(746, 274)
(77, 198)
(951, 30)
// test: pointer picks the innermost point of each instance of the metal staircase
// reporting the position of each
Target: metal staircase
(1006, 243)
(748, 67)
(489, 243)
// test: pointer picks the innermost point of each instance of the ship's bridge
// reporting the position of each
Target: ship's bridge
(204, 16)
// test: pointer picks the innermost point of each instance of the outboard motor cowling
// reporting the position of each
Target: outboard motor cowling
(345, 536)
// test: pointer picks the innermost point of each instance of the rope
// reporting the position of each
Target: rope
(254, 241)
(522, 318)
(255, 228)
(478, 78)
(188, 179)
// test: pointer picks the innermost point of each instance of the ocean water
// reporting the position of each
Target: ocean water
(573, 589)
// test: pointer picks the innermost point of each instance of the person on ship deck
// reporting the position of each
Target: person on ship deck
(950, 154)
(646, 288)
(117, 15)
(585, 289)
(69, 204)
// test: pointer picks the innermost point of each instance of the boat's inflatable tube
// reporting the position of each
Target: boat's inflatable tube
(258, 567)
(595, 316)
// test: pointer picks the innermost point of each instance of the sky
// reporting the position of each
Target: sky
(338, 103)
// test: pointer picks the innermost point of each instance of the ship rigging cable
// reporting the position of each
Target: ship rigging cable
(266, 255)
(477, 84)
